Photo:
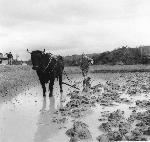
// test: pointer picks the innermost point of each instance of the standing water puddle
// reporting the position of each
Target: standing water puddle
(28, 116)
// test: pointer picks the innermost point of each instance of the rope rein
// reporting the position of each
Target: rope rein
(68, 77)
(50, 59)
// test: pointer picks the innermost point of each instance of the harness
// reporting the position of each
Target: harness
(50, 59)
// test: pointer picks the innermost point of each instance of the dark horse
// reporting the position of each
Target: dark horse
(48, 67)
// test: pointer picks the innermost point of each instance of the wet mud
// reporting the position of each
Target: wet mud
(113, 107)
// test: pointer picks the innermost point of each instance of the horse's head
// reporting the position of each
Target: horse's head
(36, 58)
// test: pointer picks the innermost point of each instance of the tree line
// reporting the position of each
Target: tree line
(123, 56)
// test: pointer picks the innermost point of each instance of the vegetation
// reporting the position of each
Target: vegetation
(121, 56)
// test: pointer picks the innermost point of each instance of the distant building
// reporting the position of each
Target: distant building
(3, 59)
(145, 51)
(24, 64)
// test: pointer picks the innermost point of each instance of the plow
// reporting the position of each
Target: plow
(73, 86)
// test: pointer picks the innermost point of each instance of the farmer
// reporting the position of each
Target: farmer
(84, 64)
(10, 58)
(86, 84)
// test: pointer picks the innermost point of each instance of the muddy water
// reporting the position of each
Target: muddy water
(27, 116)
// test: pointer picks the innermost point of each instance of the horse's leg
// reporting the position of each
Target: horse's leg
(42, 83)
(60, 83)
(44, 89)
(62, 97)
(51, 84)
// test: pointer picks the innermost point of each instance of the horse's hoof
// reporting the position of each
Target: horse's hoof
(50, 95)
(44, 95)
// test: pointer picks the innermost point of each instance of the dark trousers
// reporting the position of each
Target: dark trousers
(10, 61)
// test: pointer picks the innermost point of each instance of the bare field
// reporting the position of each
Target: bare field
(15, 78)
(111, 68)
(116, 107)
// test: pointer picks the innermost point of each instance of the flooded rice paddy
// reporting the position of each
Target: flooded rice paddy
(28, 117)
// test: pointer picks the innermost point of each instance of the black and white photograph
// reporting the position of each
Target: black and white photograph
(74, 70)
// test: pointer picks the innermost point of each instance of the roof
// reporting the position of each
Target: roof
(3, 58)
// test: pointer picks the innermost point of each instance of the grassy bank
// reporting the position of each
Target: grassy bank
(14, 79)
(111, 69)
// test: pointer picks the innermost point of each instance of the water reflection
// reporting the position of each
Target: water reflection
(46, 128)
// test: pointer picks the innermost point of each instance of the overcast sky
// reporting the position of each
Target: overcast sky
(72, 26)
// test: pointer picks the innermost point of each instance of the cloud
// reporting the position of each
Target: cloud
(72, 26)
(60, 11)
